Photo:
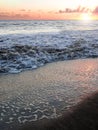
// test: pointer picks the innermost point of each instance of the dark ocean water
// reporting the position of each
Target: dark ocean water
(31, 44)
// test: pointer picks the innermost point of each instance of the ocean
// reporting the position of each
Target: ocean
(51, 90)
(31, 44)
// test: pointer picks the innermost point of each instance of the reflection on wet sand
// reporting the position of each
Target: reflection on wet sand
(45, 92)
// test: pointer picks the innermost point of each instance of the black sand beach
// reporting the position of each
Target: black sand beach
(46, 92)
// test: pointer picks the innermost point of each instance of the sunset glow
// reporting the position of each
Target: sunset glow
(86, 17)
(46, 9)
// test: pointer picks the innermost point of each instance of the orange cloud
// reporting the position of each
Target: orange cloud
(23, 10)
(28, 14)
(7, 15)
(95, 11)
(68, 13)
(76, 13)
(77, 10)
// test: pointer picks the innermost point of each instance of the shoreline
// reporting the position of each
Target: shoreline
(52, 62)
(47, 91)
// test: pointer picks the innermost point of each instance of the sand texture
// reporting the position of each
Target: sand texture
(45, 92)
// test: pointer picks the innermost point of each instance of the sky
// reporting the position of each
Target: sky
(48, 9)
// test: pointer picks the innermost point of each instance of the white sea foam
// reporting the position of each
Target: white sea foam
(30, 44)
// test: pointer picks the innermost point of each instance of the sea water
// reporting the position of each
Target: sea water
(31, 44)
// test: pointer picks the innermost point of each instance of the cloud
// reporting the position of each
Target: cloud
(6, 15)
(77, 10)
(95, 11)
(23, 10)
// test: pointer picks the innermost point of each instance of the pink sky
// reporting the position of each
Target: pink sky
(48, 9)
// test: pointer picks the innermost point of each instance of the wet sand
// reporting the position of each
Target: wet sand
(45, 92)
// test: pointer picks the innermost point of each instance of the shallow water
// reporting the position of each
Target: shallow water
(45, 92)
(31, 44)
